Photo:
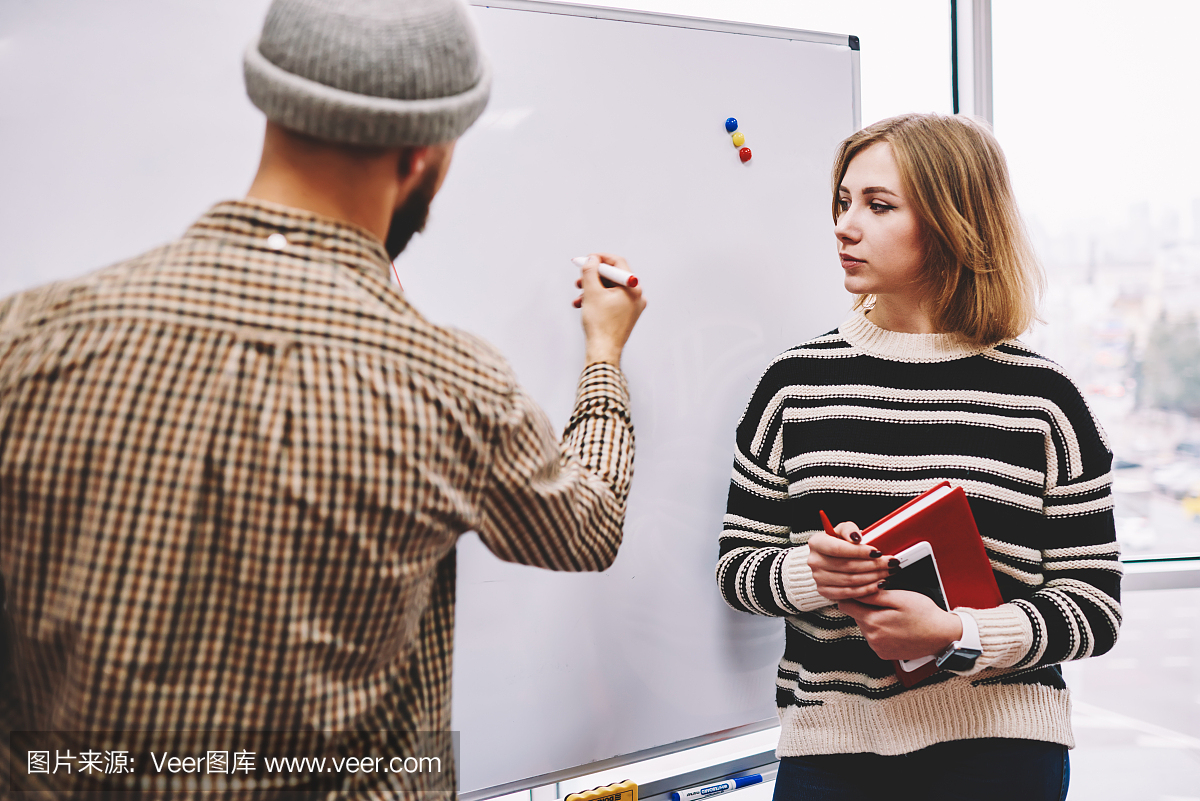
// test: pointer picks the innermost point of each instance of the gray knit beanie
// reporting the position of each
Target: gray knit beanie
(369, 72)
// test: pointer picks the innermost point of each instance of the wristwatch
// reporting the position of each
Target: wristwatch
(961, 654)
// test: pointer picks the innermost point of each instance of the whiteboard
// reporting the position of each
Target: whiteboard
(605, 132)
(608, 134)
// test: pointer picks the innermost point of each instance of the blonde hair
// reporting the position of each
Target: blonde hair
(983, 277)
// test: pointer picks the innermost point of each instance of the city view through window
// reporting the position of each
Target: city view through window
(1091, 110)
(1122, 312)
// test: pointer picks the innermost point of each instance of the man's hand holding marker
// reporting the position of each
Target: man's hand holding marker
(611, 302)
(610, 272)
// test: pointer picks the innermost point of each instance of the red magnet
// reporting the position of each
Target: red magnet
(745, 154)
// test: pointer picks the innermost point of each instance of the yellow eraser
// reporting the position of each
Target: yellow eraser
(621, 791)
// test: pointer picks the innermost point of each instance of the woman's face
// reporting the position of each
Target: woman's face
(879, 234)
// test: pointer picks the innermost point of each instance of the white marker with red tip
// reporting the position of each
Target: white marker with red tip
(614, 274)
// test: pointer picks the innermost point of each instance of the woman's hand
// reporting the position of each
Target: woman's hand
(899, 624)
(843, 568)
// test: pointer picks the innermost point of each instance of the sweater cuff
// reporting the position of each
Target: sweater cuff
(1005, 633)
(798, 582)
(602, 384)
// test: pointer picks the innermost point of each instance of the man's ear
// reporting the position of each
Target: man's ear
(412, 161)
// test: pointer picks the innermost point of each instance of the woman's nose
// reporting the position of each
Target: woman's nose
(845, 229)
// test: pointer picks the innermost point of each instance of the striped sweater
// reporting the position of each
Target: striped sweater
(861, 420)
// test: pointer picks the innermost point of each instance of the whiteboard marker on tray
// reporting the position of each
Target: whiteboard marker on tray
(717, 788)
(614, 274)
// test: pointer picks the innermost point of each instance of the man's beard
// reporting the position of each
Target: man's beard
(411, 216)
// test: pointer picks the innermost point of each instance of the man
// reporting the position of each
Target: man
(234, 468)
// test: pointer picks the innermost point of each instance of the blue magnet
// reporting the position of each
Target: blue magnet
(730, 125)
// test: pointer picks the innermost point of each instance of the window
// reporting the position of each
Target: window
(1093, 110)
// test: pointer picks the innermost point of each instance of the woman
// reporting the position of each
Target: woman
(924, 382)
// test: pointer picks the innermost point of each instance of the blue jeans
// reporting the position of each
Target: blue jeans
(963, 770)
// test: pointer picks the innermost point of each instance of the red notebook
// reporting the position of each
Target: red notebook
(959, 571)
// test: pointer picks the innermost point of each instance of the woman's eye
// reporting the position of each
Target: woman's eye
(844, 205)
(879, 207)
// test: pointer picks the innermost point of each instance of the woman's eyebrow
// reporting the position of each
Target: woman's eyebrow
(871, 190)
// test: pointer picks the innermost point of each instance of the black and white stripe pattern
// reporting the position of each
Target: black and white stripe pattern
(859, 421)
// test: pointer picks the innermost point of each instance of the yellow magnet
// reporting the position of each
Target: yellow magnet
(739, 139)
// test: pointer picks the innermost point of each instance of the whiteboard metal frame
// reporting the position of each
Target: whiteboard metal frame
(628, 759)
(675, 21)
(856, 81)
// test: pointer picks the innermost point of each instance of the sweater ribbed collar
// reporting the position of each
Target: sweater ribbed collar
(896, 346)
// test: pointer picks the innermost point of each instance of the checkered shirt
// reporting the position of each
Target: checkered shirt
(232, 474)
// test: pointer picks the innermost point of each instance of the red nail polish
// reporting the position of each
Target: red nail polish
(856, 538)
(883, 585)
(875, 554)
(893, 563)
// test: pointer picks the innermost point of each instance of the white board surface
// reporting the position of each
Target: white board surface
(609, 135)
(121, 122)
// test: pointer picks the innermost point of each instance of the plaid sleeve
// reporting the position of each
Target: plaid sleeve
(561, 505)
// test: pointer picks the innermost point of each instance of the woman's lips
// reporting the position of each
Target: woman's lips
(849, 261)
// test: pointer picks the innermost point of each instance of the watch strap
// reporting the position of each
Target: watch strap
(970, 636)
